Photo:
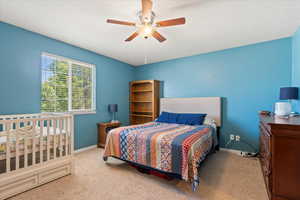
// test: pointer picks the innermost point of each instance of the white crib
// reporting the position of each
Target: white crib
(34, 149)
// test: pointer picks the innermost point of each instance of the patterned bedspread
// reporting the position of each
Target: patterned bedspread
(173, 148)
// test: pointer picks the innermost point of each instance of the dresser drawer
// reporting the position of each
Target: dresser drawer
(265, 143)
(265, 129)
(265, 156)
(267, 177)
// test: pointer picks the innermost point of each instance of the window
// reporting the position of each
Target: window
(67, 85)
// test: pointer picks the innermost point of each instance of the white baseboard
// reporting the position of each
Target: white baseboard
(85, 149)
(237, 152)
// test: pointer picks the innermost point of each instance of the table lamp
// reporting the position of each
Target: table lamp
(286, 93)
(113, 108)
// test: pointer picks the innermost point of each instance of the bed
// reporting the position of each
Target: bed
(29, 131)
(34, 149)
(170, 148)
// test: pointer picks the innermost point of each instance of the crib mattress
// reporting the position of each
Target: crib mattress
(30, 137)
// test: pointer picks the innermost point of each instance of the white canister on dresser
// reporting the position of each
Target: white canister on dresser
(283, 108)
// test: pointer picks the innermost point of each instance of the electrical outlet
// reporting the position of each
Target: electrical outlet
(231, 137)
(237, 138)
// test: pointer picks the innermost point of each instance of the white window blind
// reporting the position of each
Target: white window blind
(67, 85)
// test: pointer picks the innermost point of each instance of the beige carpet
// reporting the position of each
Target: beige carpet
(224, 176)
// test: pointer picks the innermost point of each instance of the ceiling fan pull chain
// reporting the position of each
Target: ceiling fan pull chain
(146, 54)
(145, 60)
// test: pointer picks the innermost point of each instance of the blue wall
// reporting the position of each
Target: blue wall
(20, 79)
(248, 78)
(296, 65)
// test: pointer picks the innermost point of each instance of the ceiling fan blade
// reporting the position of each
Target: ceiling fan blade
(112, 21)
(134, 35)
(158, 36)
(171, 22)
(147, 8)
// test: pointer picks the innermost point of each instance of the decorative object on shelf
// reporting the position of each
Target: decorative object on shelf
(113, 108)
(103, 129)
(283, 109)
(144, 101)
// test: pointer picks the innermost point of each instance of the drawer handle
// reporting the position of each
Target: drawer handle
(267, 172)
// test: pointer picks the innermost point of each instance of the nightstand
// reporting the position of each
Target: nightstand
(103, 129)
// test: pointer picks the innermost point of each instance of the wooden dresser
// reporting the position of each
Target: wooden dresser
(280, 156)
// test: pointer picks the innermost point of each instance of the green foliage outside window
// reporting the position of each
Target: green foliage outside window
(55, 86)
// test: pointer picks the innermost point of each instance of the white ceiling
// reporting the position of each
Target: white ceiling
(211, 24)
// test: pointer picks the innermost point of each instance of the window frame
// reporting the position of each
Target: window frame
(69, 77)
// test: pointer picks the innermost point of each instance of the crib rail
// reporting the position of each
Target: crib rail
(32, 139)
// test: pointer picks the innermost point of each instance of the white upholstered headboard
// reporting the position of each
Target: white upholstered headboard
(209, 105)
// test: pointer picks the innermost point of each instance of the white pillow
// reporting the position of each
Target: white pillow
(209, 121)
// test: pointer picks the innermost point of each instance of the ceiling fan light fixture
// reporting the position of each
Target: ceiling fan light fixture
(146, 26)
(147, 30)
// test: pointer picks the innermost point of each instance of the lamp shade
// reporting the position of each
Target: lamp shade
(112, 108)
(287, 93)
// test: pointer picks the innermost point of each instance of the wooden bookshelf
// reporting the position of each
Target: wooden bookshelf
(144, 101)
(142, 91)
(140, 115)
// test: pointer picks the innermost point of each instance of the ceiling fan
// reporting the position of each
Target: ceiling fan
(146, 25)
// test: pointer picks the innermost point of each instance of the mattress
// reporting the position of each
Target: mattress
(172, 148)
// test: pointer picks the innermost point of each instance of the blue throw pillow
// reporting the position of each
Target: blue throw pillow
(163, 117)
(167, 117)
(172, 117)
(191, 119)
